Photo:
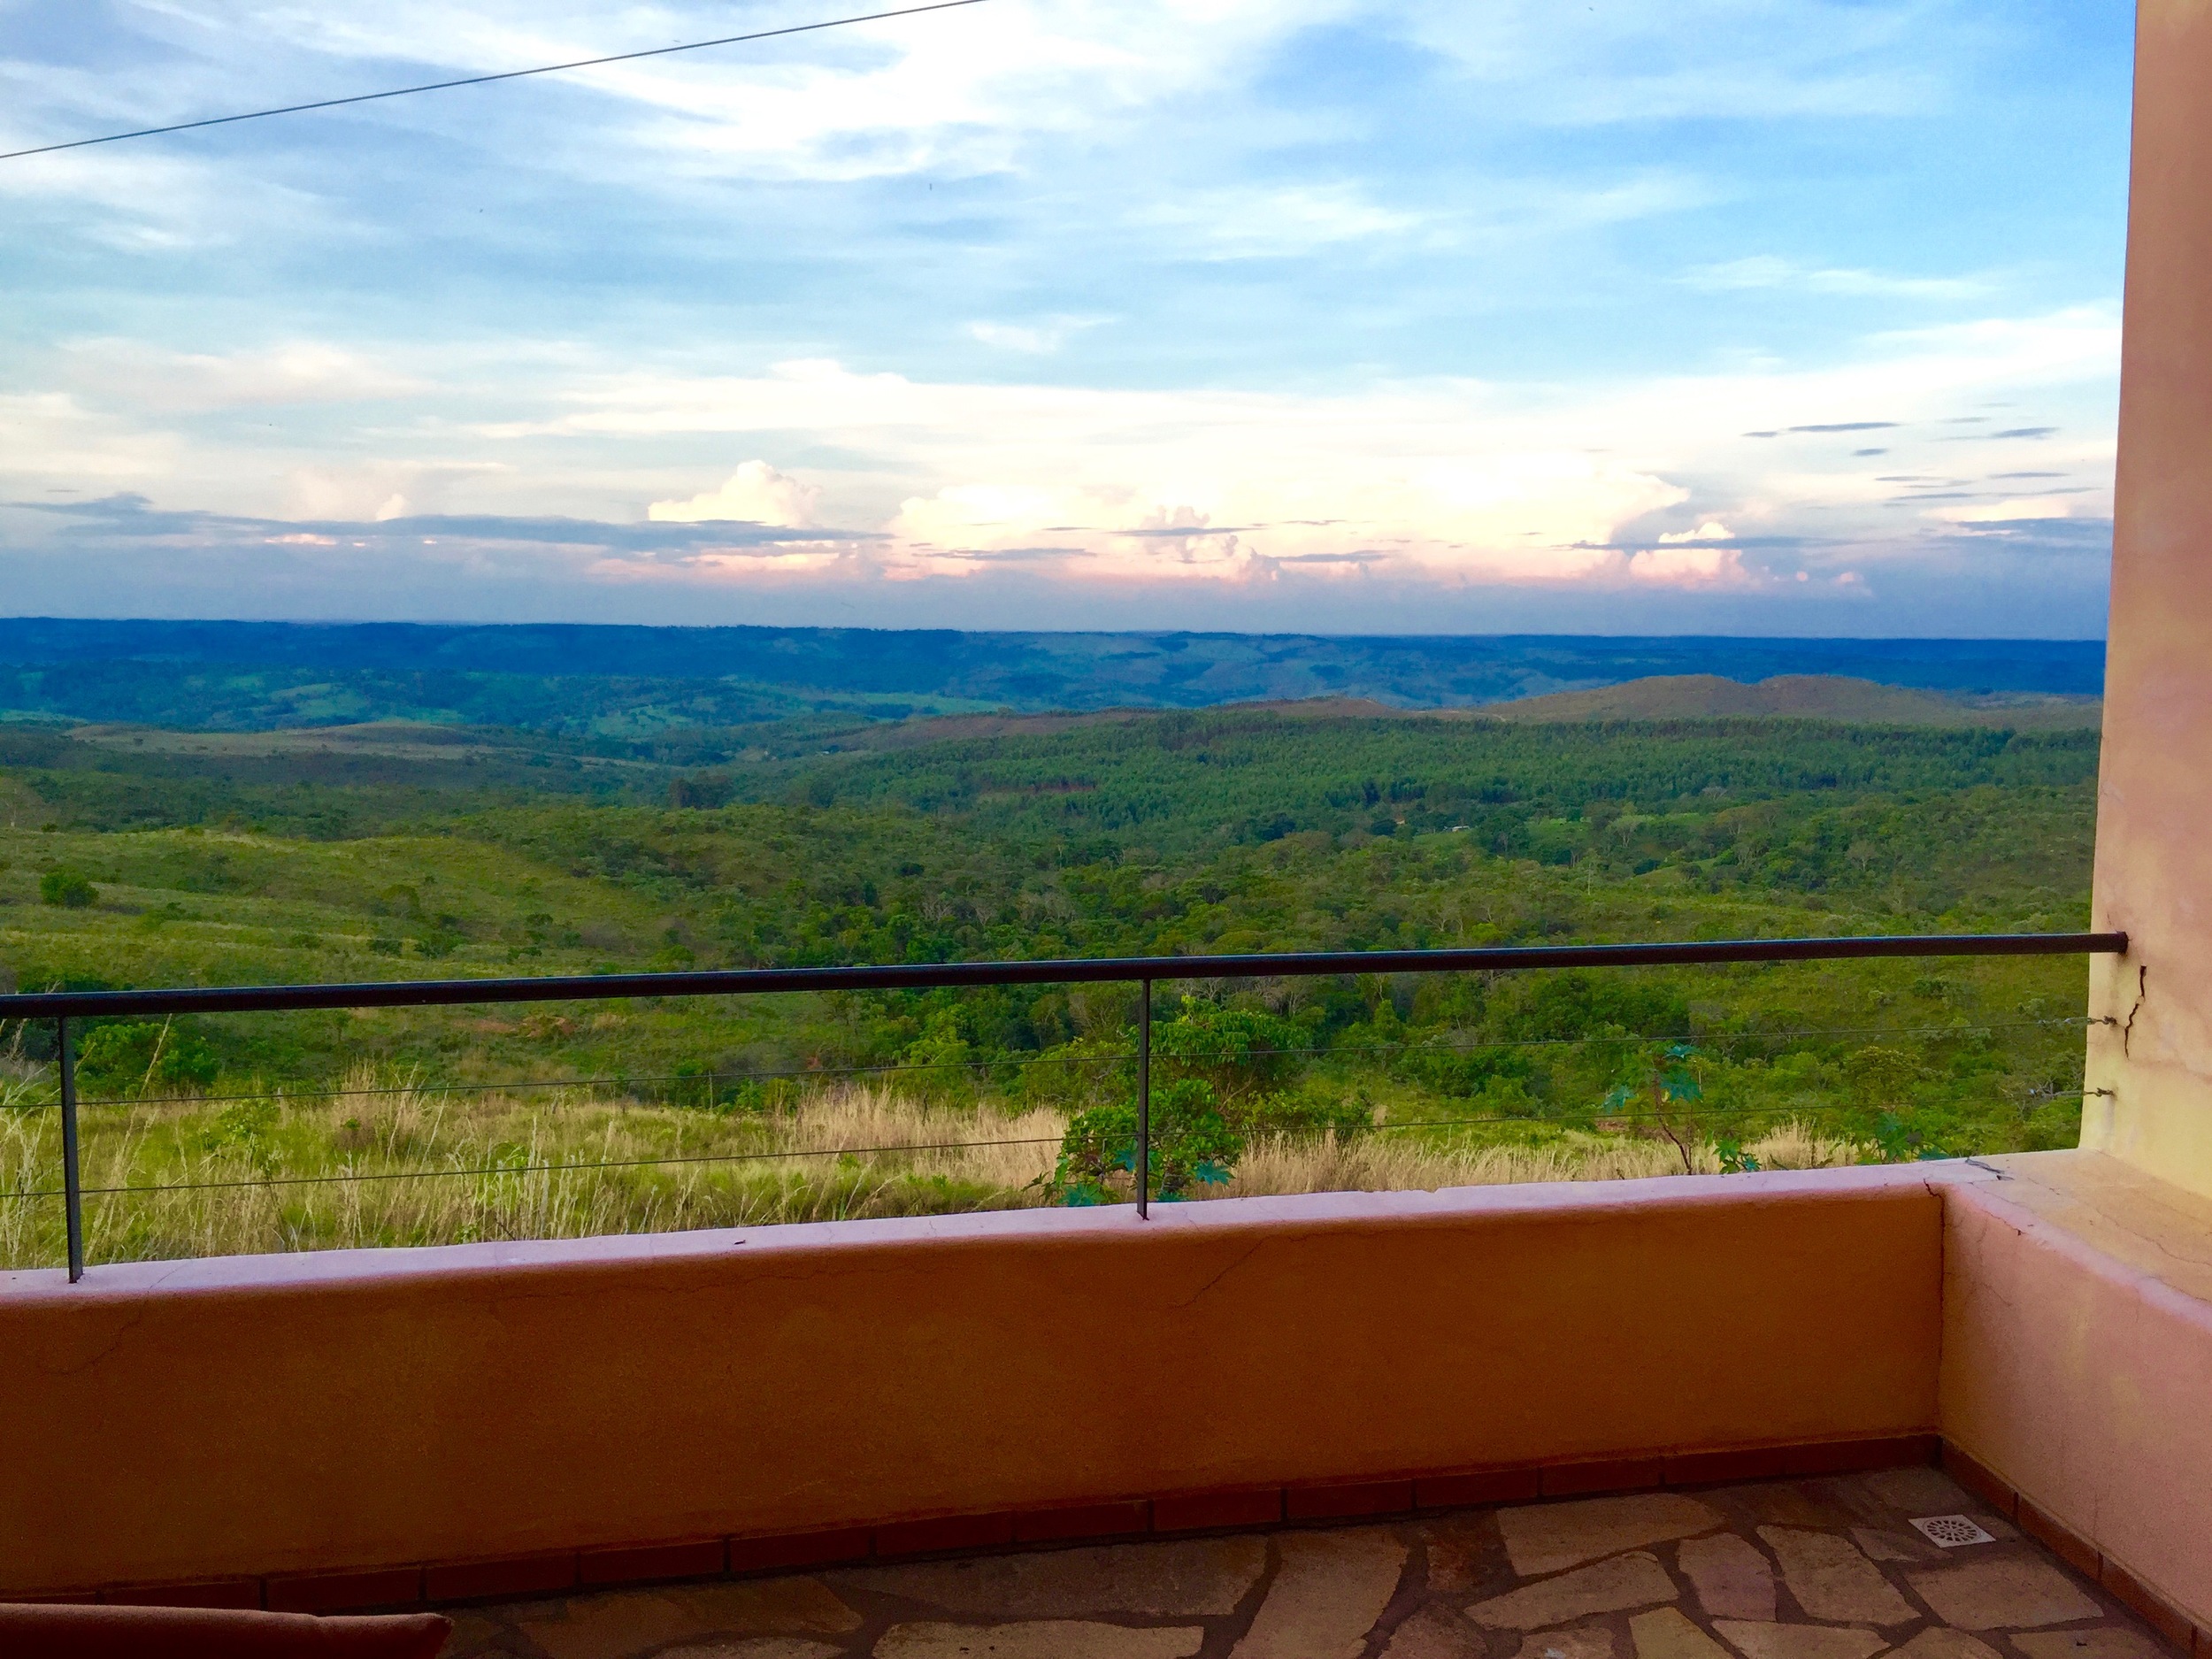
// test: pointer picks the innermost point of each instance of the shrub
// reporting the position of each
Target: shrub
(1235, 1051)
(67, 887)
(136, 1054)
(1191, 1147)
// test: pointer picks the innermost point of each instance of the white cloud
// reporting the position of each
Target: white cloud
(756, 493)
(957, 91)
(1766, 270)
(1711, 530)
(1439, 479)
(297, 372)
(2018, 508)
(1650, 60)
(1687, 566)
(1038, 339)
(1264, 222)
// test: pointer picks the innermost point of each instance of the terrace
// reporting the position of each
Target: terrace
(1339, 1425)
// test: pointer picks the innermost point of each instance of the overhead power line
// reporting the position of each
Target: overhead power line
(482, 81)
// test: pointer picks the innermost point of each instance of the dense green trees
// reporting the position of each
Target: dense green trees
(1221, 832)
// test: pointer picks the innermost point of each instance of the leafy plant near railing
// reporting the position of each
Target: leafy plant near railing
(1661, 1083)
(1734, 1160)
(1217, 1073)
(1192, 1146)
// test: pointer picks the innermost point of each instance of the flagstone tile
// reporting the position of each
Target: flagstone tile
(1433, 1633)
(1328, 1592)
(1039, 1638)
(2004, 1593)
(1587, 1641)
(1703, 1579)
(1756, 1640)
(1880, 1544)
(1665, 1633)
(1792, 1503)
(1185, 1578)
(1732, 1578)
(1545, 1538)
(1832, 1580)
(474, 1634)
(626, 1623)
(1921, 1490)
(1464, 1552)
(1610, 1586)
(2104, 1642)
(1941, 1641)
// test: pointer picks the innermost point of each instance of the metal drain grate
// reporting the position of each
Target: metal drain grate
(1951, 1532)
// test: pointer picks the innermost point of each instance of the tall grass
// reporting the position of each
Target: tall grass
(1387, 1162)
(397, 1164)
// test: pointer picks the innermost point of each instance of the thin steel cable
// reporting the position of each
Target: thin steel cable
(1716, 1115)
(1597, 1115)
(1714, 1039)
(537, 1169)
(483, 80)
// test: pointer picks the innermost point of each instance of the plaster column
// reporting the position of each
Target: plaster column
(2153, 868)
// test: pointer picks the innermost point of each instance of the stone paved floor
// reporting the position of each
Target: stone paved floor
(1786, 1570)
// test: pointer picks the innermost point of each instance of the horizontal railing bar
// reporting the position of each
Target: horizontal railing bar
(1061, 971)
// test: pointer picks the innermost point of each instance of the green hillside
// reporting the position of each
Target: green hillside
(143, 857)
(1805, 697)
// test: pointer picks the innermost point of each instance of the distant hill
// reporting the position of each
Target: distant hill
(638, 681)
(1804, 696)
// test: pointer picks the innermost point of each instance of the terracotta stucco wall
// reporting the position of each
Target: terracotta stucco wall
(2078, 1356)
(197, 1420)
(2154, 874)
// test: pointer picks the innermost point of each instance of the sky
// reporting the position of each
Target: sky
(1767, 317)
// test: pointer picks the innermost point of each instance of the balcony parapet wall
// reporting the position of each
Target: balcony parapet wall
(2077, 1368)
(360, 1411)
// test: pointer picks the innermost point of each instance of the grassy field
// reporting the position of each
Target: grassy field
(291, 857)
(393, 1164)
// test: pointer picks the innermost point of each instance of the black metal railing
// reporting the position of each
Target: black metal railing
(65, 1006)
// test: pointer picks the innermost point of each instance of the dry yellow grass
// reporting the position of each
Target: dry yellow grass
(405, 1166)
(1385, 1162)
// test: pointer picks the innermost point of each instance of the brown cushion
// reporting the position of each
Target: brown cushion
(195, 1632)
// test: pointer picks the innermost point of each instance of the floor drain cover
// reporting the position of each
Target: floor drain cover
(1950, 1532)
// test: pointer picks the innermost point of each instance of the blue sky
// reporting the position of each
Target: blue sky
(1711, 316)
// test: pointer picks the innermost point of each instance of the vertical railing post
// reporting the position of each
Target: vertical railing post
(1144, 1098)
(72, 1180)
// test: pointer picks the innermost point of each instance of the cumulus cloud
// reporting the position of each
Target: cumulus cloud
(1711, 530)
(756, 493)
(1443, 481)
(1687, 566)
